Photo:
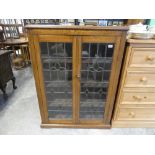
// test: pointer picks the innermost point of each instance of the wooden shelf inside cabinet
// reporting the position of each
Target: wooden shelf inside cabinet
(76, 69)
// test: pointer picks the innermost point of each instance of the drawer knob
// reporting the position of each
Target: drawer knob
(143, 79)
(132, 114)
(149, 58)
(137, 98)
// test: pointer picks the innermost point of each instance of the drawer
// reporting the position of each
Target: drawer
(140, 79)
(137, 98)
(136, 114)
(142, 57)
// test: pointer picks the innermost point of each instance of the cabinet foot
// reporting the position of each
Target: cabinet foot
(5, 96)
(13, 82)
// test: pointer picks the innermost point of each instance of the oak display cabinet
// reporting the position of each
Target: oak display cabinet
(76, 70)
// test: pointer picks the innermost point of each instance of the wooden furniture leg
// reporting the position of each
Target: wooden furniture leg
(3, 88)
(13, 82)
(6, 73)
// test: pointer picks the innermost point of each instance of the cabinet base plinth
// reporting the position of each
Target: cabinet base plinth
(133, 124)
(75, 126)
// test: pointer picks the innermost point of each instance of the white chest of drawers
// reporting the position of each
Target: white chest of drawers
(135, 102)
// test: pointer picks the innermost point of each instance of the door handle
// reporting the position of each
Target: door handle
(78, 76)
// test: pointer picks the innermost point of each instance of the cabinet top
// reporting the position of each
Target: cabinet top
(141, 41)
(118, 28)
(2, 52)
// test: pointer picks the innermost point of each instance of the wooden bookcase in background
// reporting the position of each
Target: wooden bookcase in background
(134, 21)
(126, 22)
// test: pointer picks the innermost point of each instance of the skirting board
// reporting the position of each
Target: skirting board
(75, 126)
(133, 124)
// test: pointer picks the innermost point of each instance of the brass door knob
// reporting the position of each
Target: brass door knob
(78, 76)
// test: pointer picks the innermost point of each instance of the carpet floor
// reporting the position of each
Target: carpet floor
(19, 115)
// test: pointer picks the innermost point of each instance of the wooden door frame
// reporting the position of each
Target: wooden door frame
(113, 80)
(43, 102)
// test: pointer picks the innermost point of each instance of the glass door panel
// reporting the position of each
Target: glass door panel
(96, 62)
(56, 60)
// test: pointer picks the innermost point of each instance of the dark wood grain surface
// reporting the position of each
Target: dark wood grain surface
(77, 27)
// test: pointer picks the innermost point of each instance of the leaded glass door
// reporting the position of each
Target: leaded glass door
(96, 58)
(56, 56)
(75, 78)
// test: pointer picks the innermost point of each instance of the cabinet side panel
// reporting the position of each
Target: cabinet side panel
(36, 76)
(116, 66)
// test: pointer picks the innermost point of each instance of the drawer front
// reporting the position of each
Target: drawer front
(136, 114)
(137, 98)
(140, 79)
(142, 57)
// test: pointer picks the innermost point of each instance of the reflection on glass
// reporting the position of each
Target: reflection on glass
(95, 73)
(57, 72)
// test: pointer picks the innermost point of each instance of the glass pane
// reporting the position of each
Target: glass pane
(95, 73)
(57, 72)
